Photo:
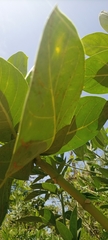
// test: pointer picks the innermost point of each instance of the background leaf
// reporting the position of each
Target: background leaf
(73, 223)
(104, 171)
(14, 87)
(30, 219)
(96, 73)
(50, 187)
(95, 42)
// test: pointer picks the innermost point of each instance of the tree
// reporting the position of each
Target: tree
(43, 113)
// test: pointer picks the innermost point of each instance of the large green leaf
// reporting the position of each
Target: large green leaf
(55, 89)
(90, 116)
(14, 87)
(19, 60)
(6, 125)
(95, 42)
(96, 74)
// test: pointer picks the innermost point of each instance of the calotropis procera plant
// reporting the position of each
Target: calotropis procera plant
(42, 113)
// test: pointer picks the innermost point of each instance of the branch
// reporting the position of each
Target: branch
(84, 202)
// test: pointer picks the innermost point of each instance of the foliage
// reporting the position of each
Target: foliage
(42, 114)
(19, 210)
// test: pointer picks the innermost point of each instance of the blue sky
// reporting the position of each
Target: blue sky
(22, 22)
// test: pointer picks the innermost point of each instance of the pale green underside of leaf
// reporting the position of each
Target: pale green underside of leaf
(14, 87)
(55, 89)
(57, 81)
(96, 73)
(95, 42)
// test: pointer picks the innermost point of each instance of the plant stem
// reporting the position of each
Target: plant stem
(62, 204)
(85, 203)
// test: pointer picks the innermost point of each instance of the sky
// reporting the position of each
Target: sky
(22, 22)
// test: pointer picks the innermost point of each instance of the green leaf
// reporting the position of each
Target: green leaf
(104, 171)
(58, 159)
(37, 178)
(99, 141)
(50, 187)
(24, 173)
(67, 214)
(96, 73)
(25, 154)
(35, 194)
(47, 216)
(30, 219)
(102, 189)
(105, 206)
(6, 125)
(90, 116)
(19, 60)
(80, 152)
(14, 87)
(61, 166)
(90, 196)
(64, 231)
(55, 89)
(5, 158)
(36, 186)
(104, 135)
(4, 199)
(101, 179)
(37, 171)
(79, 226)
(95, 42)
(73, 223)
